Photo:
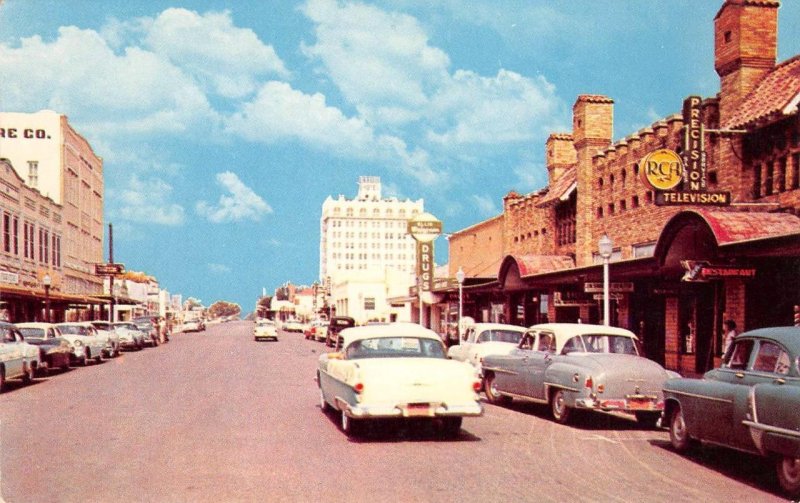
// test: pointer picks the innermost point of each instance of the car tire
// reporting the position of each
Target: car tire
(558, 407)
(323, 405)
(492, 394)
(678, 433)
(451, 426)
(788, 469)
(2, 379)
(647, 419)
(351, 427)
(28, 373)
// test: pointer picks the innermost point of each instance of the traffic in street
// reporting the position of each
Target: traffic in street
(218, 416)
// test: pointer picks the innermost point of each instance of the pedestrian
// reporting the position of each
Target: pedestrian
(730, 333)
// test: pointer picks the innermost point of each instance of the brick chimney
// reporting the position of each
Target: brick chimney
(592, 130)
(560, 154)
(745, 48)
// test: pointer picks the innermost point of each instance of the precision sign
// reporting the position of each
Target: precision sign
(109, 269)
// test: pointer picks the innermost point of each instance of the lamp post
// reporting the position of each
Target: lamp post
(605, 246)
(460, 279)
(47, 281)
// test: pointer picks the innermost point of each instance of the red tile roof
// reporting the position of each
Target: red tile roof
(530, 265)
(735, 226)
(560, 186)
(771, 96)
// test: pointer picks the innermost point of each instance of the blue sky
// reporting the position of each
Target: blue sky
(225, 124)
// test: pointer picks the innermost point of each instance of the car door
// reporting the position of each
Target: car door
(11, 352)
(517, 363)
(541, 358)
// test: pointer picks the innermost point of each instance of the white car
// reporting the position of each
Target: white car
(482, 339)
(106, 330)
(293, 326)
(396, 370)
(265, 329)
(18, 359)
(130, 337)
(84, 337)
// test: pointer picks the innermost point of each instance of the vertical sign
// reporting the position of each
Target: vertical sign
(694, 155)
(425, 265)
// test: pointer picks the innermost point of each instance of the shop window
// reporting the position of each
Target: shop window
(781, 181)
(756, 181)
(795, 171)
(768, 179)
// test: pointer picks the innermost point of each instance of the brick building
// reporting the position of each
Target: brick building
(678, 268)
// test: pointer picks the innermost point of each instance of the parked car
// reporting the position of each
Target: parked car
(18, 360)
(335, 326)
(578, 366)
(130, 337)
(482, 339)
(54, 350)
(749, 403)
(84, 337)
(316, 330)
(265, 329)
(293, 326)
(146, 325)
(398, 370)
(106, 331)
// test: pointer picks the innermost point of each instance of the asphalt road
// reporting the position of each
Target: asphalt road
(216, 417)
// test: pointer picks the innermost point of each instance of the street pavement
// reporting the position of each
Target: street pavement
(215, 417)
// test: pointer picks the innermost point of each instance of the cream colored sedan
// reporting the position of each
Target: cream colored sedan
(398, 370)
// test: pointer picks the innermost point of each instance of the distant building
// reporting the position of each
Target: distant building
(366, 237)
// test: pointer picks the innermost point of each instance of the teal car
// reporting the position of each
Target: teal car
(749, 404)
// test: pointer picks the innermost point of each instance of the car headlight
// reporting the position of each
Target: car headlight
(78, 344)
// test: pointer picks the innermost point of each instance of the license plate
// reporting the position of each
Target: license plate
(418, 409)
(640, 404)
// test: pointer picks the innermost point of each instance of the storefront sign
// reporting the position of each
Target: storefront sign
(694, 155)
(424, 228)
(674, 198)
(611, 296)
(109, 269)
(10, 278)
(425, 266)
(612, 287)
(662, 168)
(571, 299)
(702, 271)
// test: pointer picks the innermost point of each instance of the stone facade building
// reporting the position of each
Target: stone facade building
(679, 265)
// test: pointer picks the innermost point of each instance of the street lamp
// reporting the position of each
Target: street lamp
(47, 281)
(605, 246)
(460, 279)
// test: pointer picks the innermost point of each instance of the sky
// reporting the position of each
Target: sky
(224, 125)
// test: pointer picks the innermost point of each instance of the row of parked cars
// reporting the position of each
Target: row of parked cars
(31, 349)
(401, 370)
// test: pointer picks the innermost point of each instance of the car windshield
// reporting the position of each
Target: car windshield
(500, 336)
(73, 330)
(605, 343)
(395, 347)
(129, 326)
(32, 333)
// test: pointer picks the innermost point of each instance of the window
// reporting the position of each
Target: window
(771, 358)
(6, 232)
(369, 303)
(740, 355)
(574, 344)
(547, 343)
(15, 234)
(768, 179)
(795, 171)
(757, 181)
(56, 250)
(33, 173)
(781, 181)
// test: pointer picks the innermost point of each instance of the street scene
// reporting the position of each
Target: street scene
(390, 250)
(217, 416)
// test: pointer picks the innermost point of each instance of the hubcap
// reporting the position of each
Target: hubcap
(791, 469)
(678, 426)
(559, 404)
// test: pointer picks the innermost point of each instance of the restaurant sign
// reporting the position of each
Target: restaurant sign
(701, 271)
(109, 269)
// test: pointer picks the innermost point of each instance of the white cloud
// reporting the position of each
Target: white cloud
(210, 47)
(219, 268)
(145, 201)
(240, 203)
(485, 205)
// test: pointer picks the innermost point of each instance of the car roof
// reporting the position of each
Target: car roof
(398, 329)
(566, 331)
(497, 326)
(788, 337)
(35, 324)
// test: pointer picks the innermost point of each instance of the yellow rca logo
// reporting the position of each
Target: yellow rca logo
(662, 168)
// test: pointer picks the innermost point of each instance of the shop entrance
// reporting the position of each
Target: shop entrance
(648, 322)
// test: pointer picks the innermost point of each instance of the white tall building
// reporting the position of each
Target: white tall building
(367, 237)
